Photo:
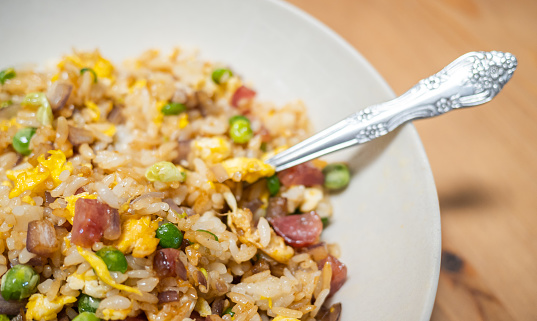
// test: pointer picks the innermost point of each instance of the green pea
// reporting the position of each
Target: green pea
(86, 316)
(21, 140)
(237, 117)
(169, 235)
(222, 75)
(273, 185)
(4, 317)
(19, 282)
(113, 258)
(240, 131)
(336, 176)
(7, 74)
(228, 311)
(87, 303)
(172, 109)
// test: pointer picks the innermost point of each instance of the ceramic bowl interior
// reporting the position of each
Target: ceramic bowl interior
(387, 221)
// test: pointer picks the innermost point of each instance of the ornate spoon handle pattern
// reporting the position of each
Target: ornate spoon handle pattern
(473, 79)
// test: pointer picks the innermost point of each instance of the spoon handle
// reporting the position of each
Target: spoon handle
(472, 79)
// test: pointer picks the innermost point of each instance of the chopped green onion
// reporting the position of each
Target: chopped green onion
(7, 74)
(325, 221)
(221, 76)
(87, 303)
(273, 185)
(263, 147)
(228, 311)
(19, 282)
(113, 258)
(336, 176)
(233, 119)
(4, 317)
(170, 236)
(44, 111)
(165, 172)
(172, 109)
(5, 104)
(240, 131)
(86, 316)
(21, 140)
(214, 235)
(83, 70)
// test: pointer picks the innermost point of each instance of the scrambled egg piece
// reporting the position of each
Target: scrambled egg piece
(282, 318)
(102, 271)
(247, 169)
(138, 237)
(33, 179)
(240, 223)
(94, 109)
(41, 308)
(312, 197)
(113, 314)
(212, 149)
(56, 164)
(159, 118)
(183, 120)
(71, 201)
(88, 283)
(6, 124)
(102, 67)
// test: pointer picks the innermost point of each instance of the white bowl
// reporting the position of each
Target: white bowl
(387, 221)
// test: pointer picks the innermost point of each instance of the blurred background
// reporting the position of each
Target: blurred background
(484, 159)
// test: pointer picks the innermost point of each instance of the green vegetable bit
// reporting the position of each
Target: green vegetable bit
(87, 303)
(86, 316)
(169, 235)
(4, 317)
(273, 185)
(165, 172)
(336, 176)
(44, 112)
(240, 131)
(214, 235)
(228, 311)
(238, 117)
(325, 221)
(83, 70)
(113, 258)
(5, 104)
(6, 74)
(21, 140)
(19, 282)
(221, 76)
(172, 109)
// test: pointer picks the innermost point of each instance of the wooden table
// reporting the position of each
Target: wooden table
(484, 159)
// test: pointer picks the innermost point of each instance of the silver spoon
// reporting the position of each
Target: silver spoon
(473, 79)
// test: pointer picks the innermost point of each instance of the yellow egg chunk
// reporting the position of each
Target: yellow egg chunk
(30, 179)
(113, 314)
(247, 169)
(56, 163)
(102, 271)
(212, 149)
(41, 308)
(138, 237)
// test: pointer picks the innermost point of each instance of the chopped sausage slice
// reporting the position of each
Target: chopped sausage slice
(303, 174)
(78, 136)
(298, 230)
(242, 93)
(58, 95)
(167, 263)
(41, 238)
(168, 296)
(339, 273)
(92, 221)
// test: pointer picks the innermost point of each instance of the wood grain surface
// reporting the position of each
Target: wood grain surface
(484, 159)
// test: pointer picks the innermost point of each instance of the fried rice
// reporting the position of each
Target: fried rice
(106, 167)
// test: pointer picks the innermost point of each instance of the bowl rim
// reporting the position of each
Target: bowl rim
(428, 176)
